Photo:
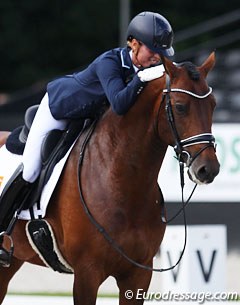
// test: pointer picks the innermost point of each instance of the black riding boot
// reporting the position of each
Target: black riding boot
(12, 198)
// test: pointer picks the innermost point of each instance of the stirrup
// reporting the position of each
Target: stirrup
(6, 256)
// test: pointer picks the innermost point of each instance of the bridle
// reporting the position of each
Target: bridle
(206, 138)
(183, 156)
(203, 138)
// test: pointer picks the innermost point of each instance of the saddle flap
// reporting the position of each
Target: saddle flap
(49, 143)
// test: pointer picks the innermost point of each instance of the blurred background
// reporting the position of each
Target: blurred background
(41, 40)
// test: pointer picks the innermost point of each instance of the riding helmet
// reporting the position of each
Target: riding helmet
(153, 30)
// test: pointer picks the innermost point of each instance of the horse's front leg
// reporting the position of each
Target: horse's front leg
(133, 286)
(86, 283)
(6, 275)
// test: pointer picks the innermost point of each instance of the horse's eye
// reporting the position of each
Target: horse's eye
(181, 109)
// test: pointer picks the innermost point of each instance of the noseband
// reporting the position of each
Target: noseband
(203, 138)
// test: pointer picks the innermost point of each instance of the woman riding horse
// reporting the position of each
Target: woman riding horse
(110, 190)
(117, 178)
(111, 78)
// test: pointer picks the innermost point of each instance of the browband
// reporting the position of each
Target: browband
(189, 92)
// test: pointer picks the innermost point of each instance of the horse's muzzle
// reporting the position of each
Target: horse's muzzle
(204, 172)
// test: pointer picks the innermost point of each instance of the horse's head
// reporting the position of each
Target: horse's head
(189, 106)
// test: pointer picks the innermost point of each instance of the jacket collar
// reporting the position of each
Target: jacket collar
(127, 64)
(126, 59)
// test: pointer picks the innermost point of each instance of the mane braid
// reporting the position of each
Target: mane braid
(191, 69)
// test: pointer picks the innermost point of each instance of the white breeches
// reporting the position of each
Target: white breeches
(42, 124)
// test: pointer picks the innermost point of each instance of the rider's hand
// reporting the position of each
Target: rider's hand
(151, 73)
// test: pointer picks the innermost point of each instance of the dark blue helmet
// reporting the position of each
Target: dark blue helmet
(153, 30)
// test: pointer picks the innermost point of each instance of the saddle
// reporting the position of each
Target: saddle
(17, 139)
(54, 147)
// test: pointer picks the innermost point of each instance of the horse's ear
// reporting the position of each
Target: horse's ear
(169, 67)
(208, 64)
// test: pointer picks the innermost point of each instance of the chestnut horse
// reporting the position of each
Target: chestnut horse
(118, 179)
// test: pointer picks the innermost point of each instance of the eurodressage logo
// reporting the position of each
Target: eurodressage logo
(199, 297)
(1, 180)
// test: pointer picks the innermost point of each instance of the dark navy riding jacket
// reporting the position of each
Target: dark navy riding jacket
(84, 93)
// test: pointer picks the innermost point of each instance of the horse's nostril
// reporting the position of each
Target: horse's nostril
(205, 174)
(202, 172)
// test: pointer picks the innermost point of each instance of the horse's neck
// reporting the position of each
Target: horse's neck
(132, 140)
(123, 158)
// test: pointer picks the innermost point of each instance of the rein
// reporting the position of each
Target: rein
(179, 145)
(97, 225)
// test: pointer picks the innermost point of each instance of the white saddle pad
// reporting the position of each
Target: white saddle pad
(8, 164)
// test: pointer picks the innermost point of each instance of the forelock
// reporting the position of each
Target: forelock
(193, 73)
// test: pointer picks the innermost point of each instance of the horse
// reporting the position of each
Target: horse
(118, 182)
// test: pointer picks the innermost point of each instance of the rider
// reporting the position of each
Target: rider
(113, 76)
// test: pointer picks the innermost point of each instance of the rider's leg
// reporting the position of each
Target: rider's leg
(42, 124)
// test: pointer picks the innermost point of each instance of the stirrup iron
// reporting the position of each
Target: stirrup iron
(6, 259)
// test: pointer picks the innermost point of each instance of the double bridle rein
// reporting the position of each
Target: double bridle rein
(206, 138)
